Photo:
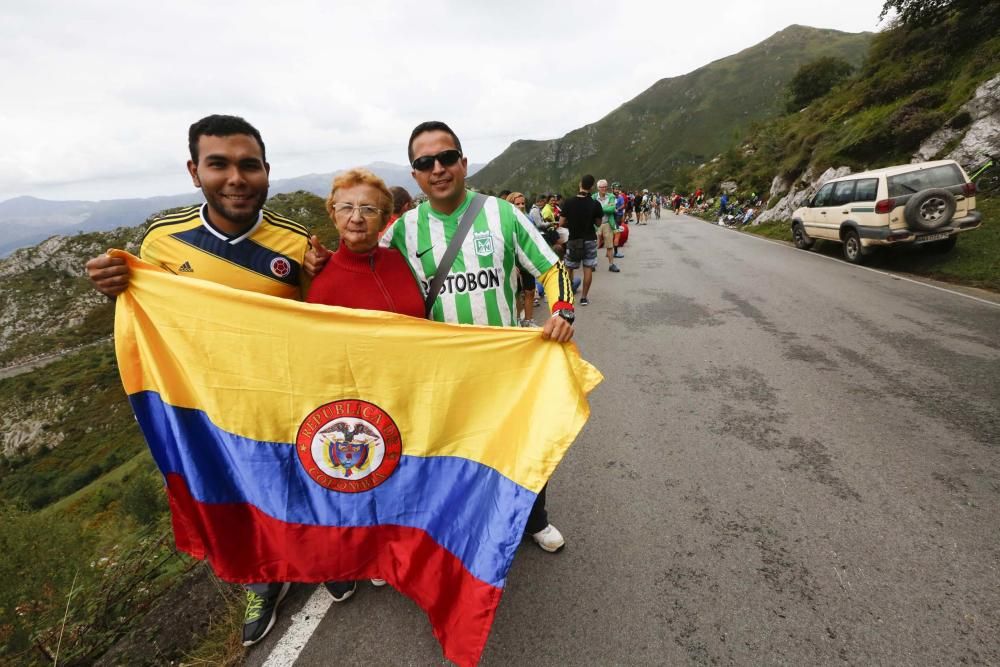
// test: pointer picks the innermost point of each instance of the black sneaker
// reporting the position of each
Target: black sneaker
(584, 301)
(614, 268)
(262, 611)
(341, 590)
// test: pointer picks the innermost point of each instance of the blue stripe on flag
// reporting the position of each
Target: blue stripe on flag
(469, 509)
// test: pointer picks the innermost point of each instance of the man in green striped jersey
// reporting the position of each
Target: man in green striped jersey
(481, 287)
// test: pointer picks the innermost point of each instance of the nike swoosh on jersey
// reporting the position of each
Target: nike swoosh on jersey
(424, 252)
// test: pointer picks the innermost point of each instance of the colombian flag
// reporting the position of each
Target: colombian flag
(309, 443)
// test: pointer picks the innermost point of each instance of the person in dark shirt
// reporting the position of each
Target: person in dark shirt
(580, 216)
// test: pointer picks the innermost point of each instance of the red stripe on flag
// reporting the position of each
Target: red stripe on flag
(243, 545)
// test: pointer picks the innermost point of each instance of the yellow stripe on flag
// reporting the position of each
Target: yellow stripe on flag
(259, 365)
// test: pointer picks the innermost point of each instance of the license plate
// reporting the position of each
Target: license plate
(931, 237)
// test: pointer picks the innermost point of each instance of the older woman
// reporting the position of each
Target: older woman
(360, 274)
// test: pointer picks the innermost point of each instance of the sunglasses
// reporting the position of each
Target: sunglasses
(446, 158)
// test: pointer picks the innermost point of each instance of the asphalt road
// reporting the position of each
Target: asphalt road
(791, 461)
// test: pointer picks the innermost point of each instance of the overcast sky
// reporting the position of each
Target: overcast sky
(98, 96)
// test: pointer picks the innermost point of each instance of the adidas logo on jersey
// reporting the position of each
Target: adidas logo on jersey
(186, 268)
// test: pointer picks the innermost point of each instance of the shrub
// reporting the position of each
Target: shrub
(143, 498)
(960, 120)
(36, 580)
(926, 99)
(815, 79)
(910, 125)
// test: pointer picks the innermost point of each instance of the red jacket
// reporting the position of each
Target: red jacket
(378, 280)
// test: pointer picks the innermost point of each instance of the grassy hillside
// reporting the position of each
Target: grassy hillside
(913, 81)
(677, 122)
(74, 469)
(310, 211)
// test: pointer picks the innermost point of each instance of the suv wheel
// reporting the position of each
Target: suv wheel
(799, 238)
(852, 247)
(929, 209)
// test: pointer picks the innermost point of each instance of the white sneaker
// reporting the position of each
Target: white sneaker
(378, 582)
(549, 539)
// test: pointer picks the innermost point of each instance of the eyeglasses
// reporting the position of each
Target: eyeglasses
(446, 158)
(346, 211)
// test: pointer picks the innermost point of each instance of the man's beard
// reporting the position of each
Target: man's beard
(248, 218)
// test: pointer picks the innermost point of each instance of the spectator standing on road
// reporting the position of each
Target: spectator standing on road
(535, 215)
(581, 215)
(610, 207)
(526, 299)
(621, 218)
(548, 211)
(401, 203)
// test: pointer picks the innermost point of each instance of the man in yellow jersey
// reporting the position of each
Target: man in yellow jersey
(230, 239)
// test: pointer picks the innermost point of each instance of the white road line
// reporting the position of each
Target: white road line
(894, 276)
(304, 623)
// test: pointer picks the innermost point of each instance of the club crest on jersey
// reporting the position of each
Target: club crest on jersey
(349, 445)
(281, 267)
(484, 243)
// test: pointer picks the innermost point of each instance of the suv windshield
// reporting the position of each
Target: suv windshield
(936, 177)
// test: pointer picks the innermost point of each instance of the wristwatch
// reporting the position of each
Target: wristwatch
(566, 314)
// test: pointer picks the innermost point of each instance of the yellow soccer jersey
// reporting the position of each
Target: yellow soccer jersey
(266, 259)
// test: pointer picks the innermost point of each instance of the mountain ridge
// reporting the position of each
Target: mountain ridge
(675, 123)
(27, 220)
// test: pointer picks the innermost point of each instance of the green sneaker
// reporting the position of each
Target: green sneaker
(262, 611)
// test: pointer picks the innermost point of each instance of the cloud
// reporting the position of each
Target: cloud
(100, 95)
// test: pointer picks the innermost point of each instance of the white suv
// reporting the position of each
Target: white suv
(922, 203)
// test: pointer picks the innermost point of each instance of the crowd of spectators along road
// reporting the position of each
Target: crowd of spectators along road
(730, 211)
(577, 226)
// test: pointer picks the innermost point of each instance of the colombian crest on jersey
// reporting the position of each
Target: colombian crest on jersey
(484, 243)
(281, 267)
(349, 445)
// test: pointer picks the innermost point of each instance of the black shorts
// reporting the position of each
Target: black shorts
(527, 280)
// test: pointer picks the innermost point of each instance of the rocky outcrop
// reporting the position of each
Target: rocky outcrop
(978, 128)
(63, 254)
(779, 186)
(803, 188)
(43, 289)
(24, 428)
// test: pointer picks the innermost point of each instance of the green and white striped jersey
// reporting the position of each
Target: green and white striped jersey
(482, 284)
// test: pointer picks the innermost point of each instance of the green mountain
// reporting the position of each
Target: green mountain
(923, 92)
(677, 122)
